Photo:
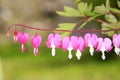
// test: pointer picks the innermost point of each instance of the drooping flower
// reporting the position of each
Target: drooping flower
(36, 41)
(91, 41)
(116, 43)
(15, 38)
(80, 48)
(53, 41)
(22, 38)
(70, 43)
(104, 45)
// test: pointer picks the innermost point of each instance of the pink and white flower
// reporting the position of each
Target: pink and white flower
(22, 38)
(104, 45)
(73, 43)
(116, 43)
(36, 41)
(53, 41)
(80, 47)
(91, 41)
(15, 38)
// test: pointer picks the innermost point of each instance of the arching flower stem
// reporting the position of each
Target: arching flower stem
(56, 30)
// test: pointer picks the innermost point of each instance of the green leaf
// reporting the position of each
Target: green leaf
(118, 2)
(101, 9)
(111, 18)
(90, 7)
(69, 12)
(107, 4)
(107, 27)
(88, 13)
(63, 14)
(82, 7)
(115, 10)
(66, 26)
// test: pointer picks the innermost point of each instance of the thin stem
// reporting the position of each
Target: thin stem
(101, 21)
(49, 29)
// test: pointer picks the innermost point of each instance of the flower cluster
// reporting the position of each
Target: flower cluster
(70, 43)
(78, 44)
(22, 38)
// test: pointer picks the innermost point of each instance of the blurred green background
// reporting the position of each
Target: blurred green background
(25, 66)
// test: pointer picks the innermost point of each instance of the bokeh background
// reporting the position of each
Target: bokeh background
(25, 66)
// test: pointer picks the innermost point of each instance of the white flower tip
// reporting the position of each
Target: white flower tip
(15, 39)
(53, 52)
(117, 50)
(70, 56)
(35, 51)
(78, 54)
(91, 51)
(22, 48)
(103, 56)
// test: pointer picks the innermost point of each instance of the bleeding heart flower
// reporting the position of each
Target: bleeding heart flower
(36, 41)
(70, 43)
(116, 43)
(15, 38)
(22, 38)
(53, 41)
(80, 47)
(91, 41)
(104, 45)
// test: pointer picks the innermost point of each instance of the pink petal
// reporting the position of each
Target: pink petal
(22, 37)
(81, 44)
(49, 40)
(87, 38)
(94, 40)
(47, 44)
(15, 32)
(116, 40)
(50, 37)
(65, 43)
(74, 41)
(100, 42)
(108, 44)
(36, 41)
(57, 40)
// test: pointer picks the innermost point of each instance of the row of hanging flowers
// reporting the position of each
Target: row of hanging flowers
(68, 43)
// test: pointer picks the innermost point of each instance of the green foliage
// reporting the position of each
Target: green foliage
(118, 2)
(114, 10)
(107, 27)
(111, 18)
(82, 7)
(69, 12)
(89, 12)
(66, 26)
(101, 9)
